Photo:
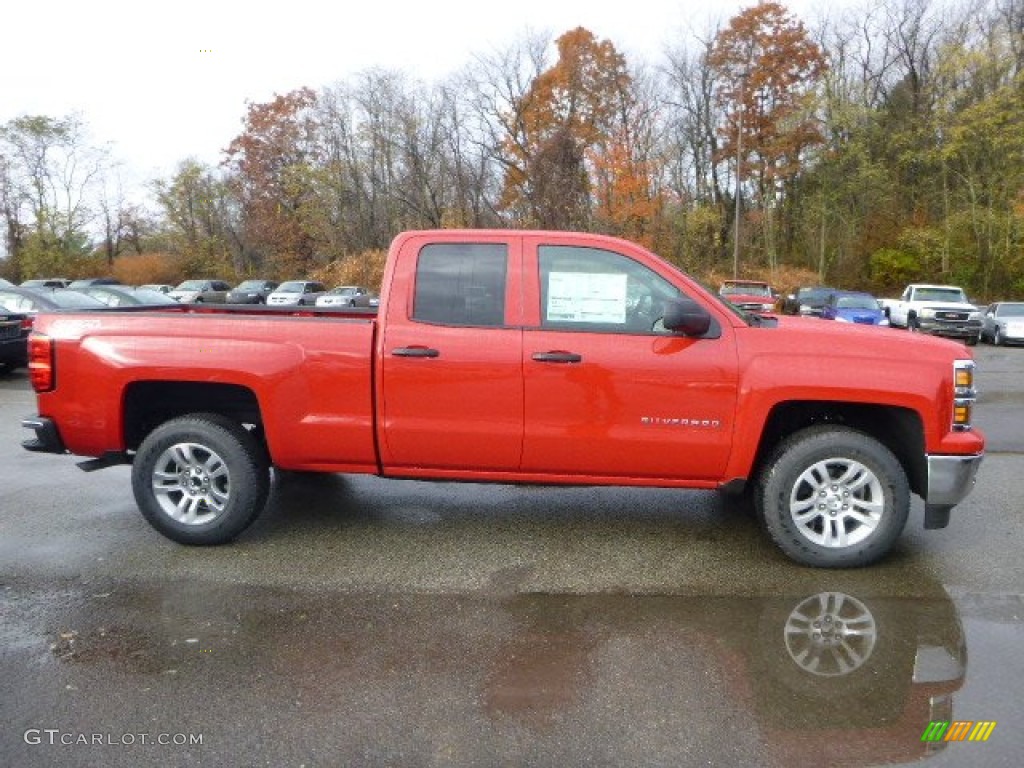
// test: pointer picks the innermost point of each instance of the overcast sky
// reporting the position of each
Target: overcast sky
(160, 82)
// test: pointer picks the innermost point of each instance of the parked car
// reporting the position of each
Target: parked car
(30, 301)
(14, 328)
(158, 287)
(854, 307)
(252, 292)
(749, 295)
(806, 300)
(85, 282)
(18, 308)
(126, 296)
(45, 282)
(349, 296)
(200, 291)
(301, 292)
(1003, 323)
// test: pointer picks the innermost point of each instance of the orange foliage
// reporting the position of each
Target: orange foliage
(147, 268)
(767, 64)
(366, 268)
(568, 109)
(628, 203)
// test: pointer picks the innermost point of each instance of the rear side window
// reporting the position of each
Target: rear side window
(461, 284)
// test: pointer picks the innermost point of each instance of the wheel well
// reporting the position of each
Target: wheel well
(148, 404)
(899, 429)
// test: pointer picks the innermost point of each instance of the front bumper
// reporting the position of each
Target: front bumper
(950, 479)
(951, 330)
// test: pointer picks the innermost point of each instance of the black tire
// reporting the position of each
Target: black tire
(833, 497)
(912, 325)
(997, 337)
(201, 479)
(971, 341)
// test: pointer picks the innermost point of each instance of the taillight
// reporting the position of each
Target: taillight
(27, 321)
(40, 363)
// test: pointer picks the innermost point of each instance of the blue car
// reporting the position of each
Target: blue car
(854, 307)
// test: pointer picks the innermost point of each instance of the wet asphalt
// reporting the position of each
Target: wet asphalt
(366, 622)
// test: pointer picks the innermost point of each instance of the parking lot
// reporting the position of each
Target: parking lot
(372, 622)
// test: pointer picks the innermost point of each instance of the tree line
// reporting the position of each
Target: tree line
(883, 145)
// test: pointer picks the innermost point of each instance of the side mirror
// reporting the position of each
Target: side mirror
(687, 317)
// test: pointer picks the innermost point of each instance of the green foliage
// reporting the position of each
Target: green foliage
(891, 268)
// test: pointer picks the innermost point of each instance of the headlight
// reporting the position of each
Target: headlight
(974, 316)
(767, 307)
(927, 313)
(964, 394)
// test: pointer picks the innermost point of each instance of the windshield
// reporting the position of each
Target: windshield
(345, 290)
(746, 289)
(811, 295)
(856, 302)
(250, 285)
(147, 296)
(191, 285)
(954, 295)
(291, 287)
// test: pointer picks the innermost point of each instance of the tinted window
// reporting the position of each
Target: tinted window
(594, 289)
(461, 284)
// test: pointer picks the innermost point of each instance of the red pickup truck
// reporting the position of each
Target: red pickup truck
(517, 356)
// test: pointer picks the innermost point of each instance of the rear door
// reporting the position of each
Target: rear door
(451, 396)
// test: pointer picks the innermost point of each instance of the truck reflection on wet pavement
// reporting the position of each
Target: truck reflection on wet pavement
(826, 675)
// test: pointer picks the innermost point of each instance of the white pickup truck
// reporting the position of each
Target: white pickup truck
(941, 310)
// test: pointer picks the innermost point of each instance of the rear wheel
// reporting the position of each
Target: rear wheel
(833, 497)
(200, 479)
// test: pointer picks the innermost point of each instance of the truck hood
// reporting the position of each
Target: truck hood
(813, 336)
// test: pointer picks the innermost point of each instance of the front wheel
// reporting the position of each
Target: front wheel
(997, 338)
(200, 479)
(833, 497)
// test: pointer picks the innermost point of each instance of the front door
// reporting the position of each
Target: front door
(609, 392)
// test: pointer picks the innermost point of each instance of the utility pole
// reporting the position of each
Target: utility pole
(739, 161)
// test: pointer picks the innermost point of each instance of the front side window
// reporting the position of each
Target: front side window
(461, 284)
(597, 290)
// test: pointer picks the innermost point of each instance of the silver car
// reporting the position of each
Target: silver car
(1003, 323)
(296, 292)
(348, 296)
(201, 291)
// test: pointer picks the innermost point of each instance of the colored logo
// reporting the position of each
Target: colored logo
(958, 730)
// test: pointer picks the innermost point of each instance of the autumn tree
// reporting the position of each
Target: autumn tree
(270, 165)
(768, 68)
(568, 110)
(626, 168)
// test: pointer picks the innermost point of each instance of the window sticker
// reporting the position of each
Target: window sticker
(581, 297)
